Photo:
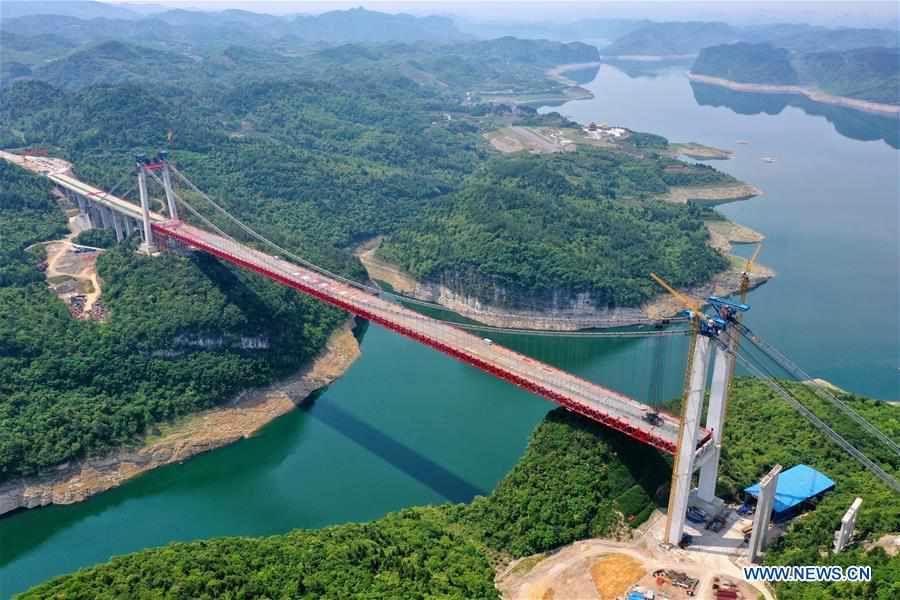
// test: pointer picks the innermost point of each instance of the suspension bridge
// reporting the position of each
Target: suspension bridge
(695, 446)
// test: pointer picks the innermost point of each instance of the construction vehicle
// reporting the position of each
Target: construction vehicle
(677, 579)
(652, 417)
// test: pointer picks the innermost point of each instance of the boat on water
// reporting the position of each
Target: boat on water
(768, 159)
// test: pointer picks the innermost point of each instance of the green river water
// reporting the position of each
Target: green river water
(408, 426)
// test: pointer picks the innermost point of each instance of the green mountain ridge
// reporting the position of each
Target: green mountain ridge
(871, 74)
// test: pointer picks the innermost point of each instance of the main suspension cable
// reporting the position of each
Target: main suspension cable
(359, 285)
(810, 416)
(803, 377)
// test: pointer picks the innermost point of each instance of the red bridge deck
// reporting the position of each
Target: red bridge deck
(594, 402)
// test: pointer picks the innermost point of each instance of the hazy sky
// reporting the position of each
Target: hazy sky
(819, 12)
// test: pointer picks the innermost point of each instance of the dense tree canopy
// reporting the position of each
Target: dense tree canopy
(576, 480)
(68, 387)
(534, 225)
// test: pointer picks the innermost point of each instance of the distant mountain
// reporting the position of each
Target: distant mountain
(866, 73)
(671, 39)
(537, 52)
(805, 38)
(586, 30)
(110, 63)
(365, 26)
(871, 74)
(83, 9)
(747, 63)
(175, 29)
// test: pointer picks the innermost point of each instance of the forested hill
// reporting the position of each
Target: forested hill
(371, 145)
(747, 63)
(672, 39)
(683, 38)
(378, 143)
(865, 73)
(576, 480)
(217, 28)
(70, 388)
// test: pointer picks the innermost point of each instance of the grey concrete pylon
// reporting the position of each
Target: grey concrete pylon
(723, 366)
(764, 504)
(848, 523)
(687, 441)
(149, 247)
(170, 193)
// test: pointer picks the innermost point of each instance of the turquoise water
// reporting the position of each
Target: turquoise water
(830, 211)
(408, 426)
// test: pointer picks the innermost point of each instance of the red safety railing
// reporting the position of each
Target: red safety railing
(172, 230)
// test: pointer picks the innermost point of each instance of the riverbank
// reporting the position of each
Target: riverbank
(240, 418)
(556, 73)
(711, 194)
(586, 315)
(811, 93)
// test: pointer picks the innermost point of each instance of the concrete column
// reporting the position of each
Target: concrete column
(723, 366)
(117, 223)
(96, 221)
(691, 406)
(129, 228)
(170, 193)
(843, 535)
(764, 504)
(106, 216)
(149, 247)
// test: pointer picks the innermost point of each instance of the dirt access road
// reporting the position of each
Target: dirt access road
(578, 572)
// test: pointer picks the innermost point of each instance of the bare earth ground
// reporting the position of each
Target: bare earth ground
(701, 151)
(69, 273)
(556, 72)
(207, 430)
(536, 140)
(715, 194)
(381, 270)
(603, 569)
(724, 233)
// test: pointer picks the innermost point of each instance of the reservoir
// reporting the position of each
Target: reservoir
(408, 426)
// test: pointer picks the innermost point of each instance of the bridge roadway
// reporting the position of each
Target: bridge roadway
(578, 395)
(58, 171)
(593, 401)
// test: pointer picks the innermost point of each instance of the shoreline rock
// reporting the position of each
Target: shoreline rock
(811, 93)
(240, 418)
(584, 315)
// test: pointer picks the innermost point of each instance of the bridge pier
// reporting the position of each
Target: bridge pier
(117, 224)
(683, 471)
(148, 247)
(764, 505)
(167, 185)
(106, 217)
(723, 367)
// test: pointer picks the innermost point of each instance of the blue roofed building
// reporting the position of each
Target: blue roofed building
(795, 486)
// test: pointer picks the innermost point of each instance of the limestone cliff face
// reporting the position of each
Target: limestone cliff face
(242, 417)
(198, 341)
(555, 310)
